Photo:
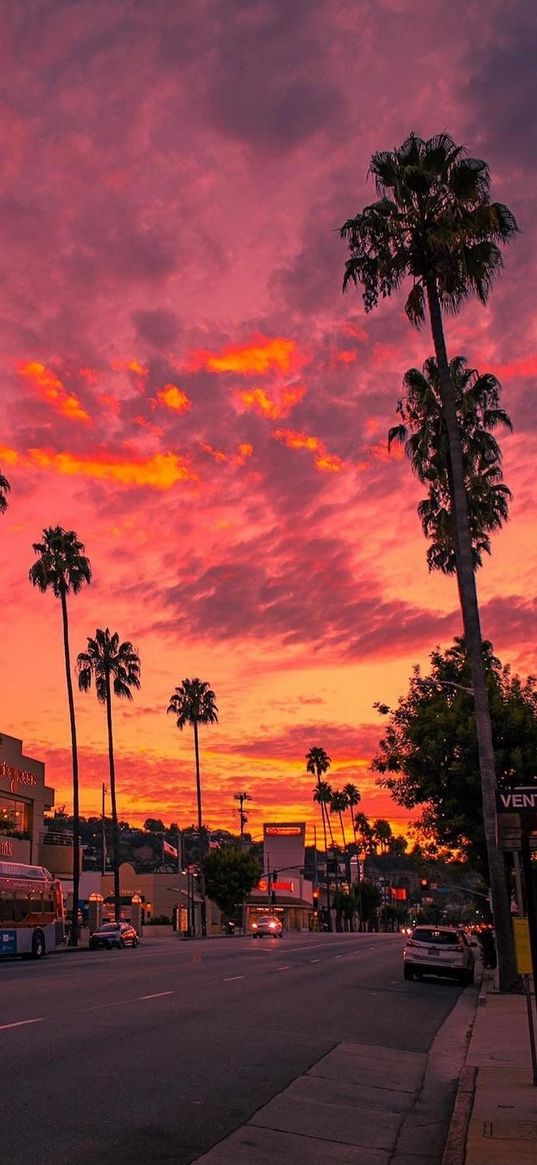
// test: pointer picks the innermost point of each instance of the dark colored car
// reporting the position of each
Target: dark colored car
(113, 934)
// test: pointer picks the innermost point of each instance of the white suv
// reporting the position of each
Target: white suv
(438, 950)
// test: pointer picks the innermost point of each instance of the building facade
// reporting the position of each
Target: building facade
(24, 800)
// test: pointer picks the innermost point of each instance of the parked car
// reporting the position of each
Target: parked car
(113, 934)
(267, 924)
(438, 950)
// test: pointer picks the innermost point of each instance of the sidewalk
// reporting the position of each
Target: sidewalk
(495, 1115)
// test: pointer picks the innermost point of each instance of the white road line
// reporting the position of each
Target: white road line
(232, 978)
(158, 995)
(315, 960)
(21, 1023)
(285, 968)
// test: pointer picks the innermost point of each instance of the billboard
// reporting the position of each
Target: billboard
(283, 847)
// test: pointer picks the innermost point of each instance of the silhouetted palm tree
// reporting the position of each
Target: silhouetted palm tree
(194, 703)
(424, 435)
(434, 221)
(62, 567)
(354, 797)
(318, 762)
(338, 804)
(114, 666)
(4, 490)
(382, 834)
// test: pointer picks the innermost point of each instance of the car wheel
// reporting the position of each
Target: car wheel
(39, 949)
(408, 973)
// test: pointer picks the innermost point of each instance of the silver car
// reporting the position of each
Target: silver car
(438, 950)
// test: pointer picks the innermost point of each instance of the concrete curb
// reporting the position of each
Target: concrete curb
(455, 1148)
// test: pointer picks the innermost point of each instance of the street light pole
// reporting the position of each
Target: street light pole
(103, 852)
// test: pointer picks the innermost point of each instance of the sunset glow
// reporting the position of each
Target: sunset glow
(186, 386)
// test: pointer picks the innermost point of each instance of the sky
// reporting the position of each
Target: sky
(185, 385)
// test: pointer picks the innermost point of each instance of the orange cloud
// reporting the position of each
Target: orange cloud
(162, 471)
(52, 390)
(130, 366)
(262, 404)
(325, 462)
(249, 359)
(244, 452)
(174, 398)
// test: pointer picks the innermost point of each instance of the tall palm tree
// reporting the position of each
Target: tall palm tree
(338, 804)
(4, 489)
(354, 797)
(115, 667)
(323, 794)
(194, 703)
(318, 762)
(435, 222)
(63, 567)
(424, 435)
(364, 833)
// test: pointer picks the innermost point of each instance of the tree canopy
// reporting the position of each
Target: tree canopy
(230, 874)
(428, 755)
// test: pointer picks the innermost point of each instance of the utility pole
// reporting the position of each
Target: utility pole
(103, 823)
(243, 818)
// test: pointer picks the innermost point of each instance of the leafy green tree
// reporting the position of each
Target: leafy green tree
(230, 874)
(194, 703)
(115, 667)
(4, 490)
(434, 222)
(63, 568)
(318, 762)
(428, 754)
(423, 433)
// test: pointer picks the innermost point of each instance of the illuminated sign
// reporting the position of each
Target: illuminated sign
(283, 831)
(283, 887)
(6, 849)
(17, 776)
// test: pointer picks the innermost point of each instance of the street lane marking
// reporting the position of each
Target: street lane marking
(285, 968)
(158, 995)
(21, 1023)
(232, 978)
(315, 960)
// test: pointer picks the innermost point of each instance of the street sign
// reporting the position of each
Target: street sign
(521, 799)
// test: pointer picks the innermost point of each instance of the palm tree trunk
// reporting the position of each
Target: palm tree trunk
(200, 831)
(342, 829)
(73, 936)
(472, 634)
(115, 824)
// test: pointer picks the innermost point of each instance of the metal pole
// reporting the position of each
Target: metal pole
(103, 809)
(530, 899)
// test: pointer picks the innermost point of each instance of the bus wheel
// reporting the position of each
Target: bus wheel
(38, 945)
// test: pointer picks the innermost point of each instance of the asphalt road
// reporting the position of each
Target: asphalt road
(153, 1055)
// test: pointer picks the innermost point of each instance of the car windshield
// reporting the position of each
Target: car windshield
(108, 926)
(266, 918)
(437, 938)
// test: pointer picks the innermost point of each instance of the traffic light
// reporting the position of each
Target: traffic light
(315, 899)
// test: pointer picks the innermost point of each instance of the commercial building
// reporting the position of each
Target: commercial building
(283, 889)
(24, 800)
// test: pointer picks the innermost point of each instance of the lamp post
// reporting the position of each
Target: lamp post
(103, 824)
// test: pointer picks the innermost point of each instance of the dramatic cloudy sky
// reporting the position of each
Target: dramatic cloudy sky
(184, 384)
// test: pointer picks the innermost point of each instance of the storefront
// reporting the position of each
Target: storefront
(24, 800)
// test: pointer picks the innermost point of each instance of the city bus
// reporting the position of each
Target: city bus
(32, 915)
